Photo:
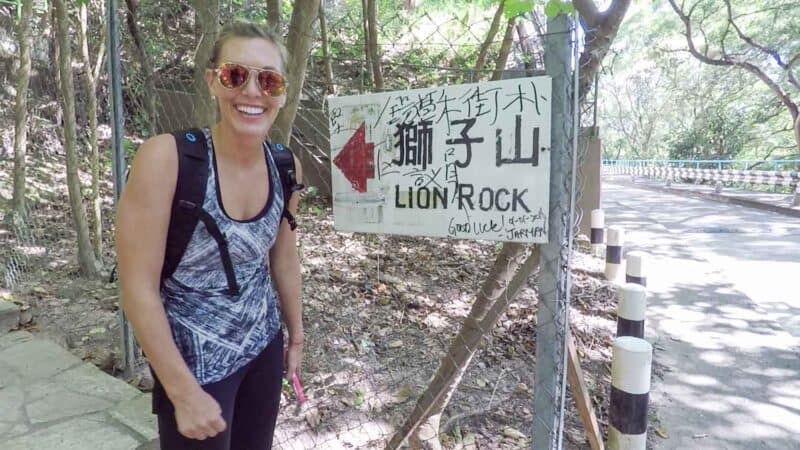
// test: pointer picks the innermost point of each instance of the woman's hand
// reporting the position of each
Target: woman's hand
(198, 415)
(293, 359)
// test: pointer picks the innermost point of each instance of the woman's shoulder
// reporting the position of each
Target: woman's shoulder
(156, 160)
(157, 147)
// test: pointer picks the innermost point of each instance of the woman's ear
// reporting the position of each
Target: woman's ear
(210, 80)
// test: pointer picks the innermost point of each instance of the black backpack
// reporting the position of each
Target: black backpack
(187, 204)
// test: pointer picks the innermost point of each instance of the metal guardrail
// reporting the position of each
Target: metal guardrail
(719, 164)
(668, 172)
(765, 177)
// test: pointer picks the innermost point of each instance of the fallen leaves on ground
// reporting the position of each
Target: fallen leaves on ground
(380, 312)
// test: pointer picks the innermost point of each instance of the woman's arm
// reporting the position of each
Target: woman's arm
(143, 216)
(285, 271)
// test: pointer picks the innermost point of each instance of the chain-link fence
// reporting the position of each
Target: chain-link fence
(379, 320)
(39, 269)
(357, 400)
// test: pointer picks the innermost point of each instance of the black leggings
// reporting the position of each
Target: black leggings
(249, 399)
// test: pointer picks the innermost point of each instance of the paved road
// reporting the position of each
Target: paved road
(724, 315)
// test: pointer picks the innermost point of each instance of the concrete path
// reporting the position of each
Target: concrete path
(724, 317)
(51, 400)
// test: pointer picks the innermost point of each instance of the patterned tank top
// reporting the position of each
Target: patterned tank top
(216, 332)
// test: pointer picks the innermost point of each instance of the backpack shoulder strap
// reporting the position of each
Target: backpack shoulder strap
(189, 194)
(284, 160)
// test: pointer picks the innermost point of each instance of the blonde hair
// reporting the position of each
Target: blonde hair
(248, 30)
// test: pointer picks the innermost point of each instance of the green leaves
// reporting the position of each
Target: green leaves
(552, 8)
(555, 7)
(514, 8)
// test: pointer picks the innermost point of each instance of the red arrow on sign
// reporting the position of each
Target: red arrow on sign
(356, 160)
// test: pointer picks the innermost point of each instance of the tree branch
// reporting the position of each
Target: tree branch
(588, 11)
(763, 10)
(603, 28)
(727, 60)
(723, 37)
(744, 37)
(687, 22)
(101, 60)
(773, 86)
(784, 130)
(774, 54)
(671, 50)
(616, 12)
(790, 72)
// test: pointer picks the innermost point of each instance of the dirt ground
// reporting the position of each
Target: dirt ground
(380, 312)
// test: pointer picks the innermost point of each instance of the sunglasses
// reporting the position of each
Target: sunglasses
(234, 76)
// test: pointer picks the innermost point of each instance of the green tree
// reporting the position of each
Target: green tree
(654, 88)
(298, 44)
(132, 20)
(91, 73)
(274, 13)
(86, 258)
(206, 30)
(21, 108)
(745, 37)
(371, 29)
(487, 42)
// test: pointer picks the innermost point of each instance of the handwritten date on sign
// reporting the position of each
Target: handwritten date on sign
(511, 227)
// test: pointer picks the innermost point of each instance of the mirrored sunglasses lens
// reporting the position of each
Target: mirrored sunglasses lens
(272, 83)
(232, 75)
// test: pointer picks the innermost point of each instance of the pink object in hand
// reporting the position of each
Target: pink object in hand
(298, 389)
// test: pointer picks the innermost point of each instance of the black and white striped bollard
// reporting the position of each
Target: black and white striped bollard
(630, 391)
(635, 267)
(631, 310)
(598, 231)
(614, 243)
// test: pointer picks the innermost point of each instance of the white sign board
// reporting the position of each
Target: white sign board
(470, 161)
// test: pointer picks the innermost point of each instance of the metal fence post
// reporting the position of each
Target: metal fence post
(118, 152)
(552, 320)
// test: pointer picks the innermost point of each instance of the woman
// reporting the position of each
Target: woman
(218, 355)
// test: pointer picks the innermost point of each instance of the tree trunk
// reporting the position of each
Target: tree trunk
(372, 28)
(513, 266)
(91, 89)
(132, 18)
(298, 45)
(490, 35)
(326, 64)
(274, 13)
(206, 30)
(797, 131)
(86, 259)
(505, 50)
(527, 49)
(19, 206)
(365, 25)
(605, 25)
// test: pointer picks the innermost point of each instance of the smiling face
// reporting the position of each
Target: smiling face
(247, 110)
